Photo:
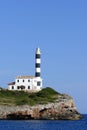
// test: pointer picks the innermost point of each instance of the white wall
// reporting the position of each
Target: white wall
(32, 84)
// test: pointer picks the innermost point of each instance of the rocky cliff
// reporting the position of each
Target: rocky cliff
(62, 108)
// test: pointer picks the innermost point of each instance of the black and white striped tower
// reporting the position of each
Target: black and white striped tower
(38, 63)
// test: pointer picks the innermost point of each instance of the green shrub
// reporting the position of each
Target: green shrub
(21, 98)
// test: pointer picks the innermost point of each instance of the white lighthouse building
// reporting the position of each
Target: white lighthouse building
(29, 83)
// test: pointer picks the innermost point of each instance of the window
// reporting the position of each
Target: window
(28, 80)
(22, 87)
(18, 87)
(17, 80)
(23, 80)
(38, 83)
(12, 87)
(28, 87)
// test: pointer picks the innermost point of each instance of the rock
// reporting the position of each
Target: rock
(62, 109)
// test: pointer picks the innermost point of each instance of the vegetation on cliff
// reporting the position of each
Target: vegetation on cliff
(22, 98)
(45, 104)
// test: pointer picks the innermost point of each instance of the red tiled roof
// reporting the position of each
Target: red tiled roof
(12, 83)
(25, 77)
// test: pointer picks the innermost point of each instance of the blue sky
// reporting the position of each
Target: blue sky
(59, 28)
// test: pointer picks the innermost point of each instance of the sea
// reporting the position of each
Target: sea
(44, 124)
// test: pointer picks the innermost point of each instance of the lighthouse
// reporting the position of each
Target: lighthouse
(38, 63)
(38, 68)
(29, 83)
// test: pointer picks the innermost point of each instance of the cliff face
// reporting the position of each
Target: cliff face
(61, 108)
